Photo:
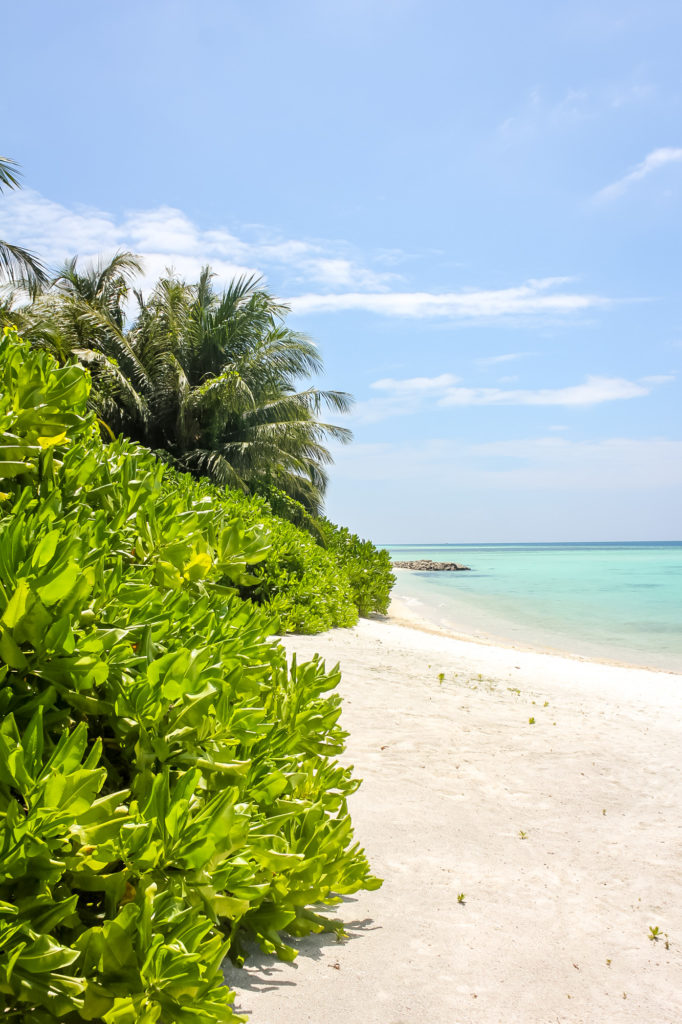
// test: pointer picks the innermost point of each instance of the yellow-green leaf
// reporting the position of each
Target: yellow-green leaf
(16, 605)
(50, 442)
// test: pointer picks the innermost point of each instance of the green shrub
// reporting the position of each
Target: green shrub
(168, 784)
(304, 587)
(367, 568)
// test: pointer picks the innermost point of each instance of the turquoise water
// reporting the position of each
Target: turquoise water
(617, 601)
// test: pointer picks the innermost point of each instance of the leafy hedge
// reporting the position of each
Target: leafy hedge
(167, 783)
(315, 575)
(306, 588)
(366, 569)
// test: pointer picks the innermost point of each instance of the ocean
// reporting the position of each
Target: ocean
(619, 601)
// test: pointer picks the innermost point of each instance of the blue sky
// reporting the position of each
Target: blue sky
(474, 209)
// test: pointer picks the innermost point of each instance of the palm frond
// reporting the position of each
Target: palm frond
(113, 389)
(22, 267)
(10, 175)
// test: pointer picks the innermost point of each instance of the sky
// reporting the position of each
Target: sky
(474, 209)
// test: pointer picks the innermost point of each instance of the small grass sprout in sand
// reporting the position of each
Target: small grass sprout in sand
(461, 898)
(655, 934)
(531, 721)
(522, 834)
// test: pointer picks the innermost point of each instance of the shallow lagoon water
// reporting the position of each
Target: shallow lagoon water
(618, 601)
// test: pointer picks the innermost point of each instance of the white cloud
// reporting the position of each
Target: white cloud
(507, 357)
(592, 392)
(163, 237)
(400, 397)
(656, 159)
(166, 237)
(531, 298)
(659, 378)
(344, 273)
(416, 385)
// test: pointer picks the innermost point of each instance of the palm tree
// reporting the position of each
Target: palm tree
(224, 397)
(18, 266)
(207, 379)
(81, 313)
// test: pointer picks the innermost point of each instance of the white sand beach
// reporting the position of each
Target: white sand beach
(564, 835)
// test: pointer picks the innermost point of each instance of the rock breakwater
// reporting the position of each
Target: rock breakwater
(426, 565)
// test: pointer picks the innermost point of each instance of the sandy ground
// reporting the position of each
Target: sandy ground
(565, 837)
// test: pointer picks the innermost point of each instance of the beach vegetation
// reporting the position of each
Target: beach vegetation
(169, 782)
(461, 897)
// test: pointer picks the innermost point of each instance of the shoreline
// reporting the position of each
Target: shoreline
(401, 614)
(547, 791)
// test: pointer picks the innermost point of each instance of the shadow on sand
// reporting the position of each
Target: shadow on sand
(263, 972)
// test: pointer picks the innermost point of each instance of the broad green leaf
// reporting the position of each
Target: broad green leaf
(16, 606)
(10, 653)
(14, 468)
(44, 955)
(60, 585)
(46, 548)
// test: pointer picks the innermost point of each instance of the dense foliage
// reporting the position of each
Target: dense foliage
(167, 781)
(305, 588)
(367, 568)
(315, 575)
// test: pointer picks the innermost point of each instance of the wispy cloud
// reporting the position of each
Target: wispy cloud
(531, 298)
(506, 357)
(654, 161)
(336, 277)
(593, 391)
(539, 113)
(417, 385)
(659, 378)
(403, 397)
(166, 236)
(344, 273)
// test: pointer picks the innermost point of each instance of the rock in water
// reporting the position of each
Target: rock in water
(426, 565)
